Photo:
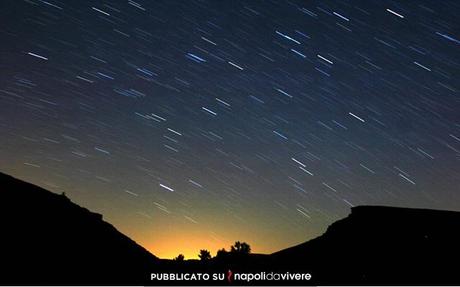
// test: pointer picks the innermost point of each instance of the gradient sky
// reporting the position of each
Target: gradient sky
(193, 124)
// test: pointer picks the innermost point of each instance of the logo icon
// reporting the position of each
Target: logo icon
(229, 276)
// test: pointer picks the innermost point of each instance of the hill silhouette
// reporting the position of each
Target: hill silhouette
(48, 240)
(382, 245)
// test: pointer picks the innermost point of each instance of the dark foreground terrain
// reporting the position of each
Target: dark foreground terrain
(48, 240)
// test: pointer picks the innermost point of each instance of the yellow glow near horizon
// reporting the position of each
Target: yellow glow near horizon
(190, 245)
(189, 248)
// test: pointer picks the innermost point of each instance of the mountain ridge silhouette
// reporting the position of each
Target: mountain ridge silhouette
(382, 245)
(48, 240)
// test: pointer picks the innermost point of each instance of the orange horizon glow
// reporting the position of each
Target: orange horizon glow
(189, 246)
(189, 240)
(181, 243)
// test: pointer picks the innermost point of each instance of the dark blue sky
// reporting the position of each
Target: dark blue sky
(192, 124)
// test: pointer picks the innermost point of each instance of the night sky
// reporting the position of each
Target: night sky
(193, 124)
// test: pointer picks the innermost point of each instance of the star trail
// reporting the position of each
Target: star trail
(193, 124)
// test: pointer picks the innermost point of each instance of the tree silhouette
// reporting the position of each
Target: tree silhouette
(204, 255)
(235, 248)
(179, 258)
(222, 253)
(245, 248)
(240, 248)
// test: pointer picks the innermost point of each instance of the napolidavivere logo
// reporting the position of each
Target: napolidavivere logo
(231, 276)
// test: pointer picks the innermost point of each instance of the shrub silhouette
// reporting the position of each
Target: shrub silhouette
(240, 248)
(204, 255)
(180, 258)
